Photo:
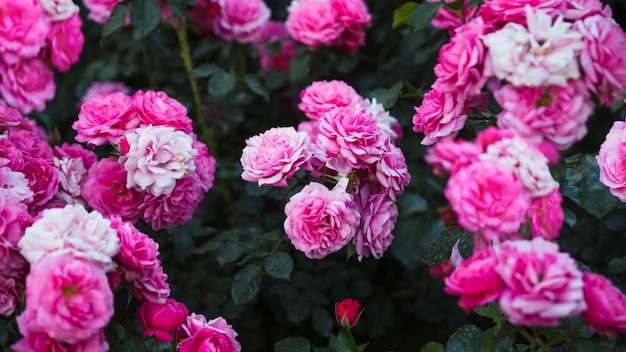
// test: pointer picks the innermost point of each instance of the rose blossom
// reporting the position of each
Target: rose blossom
(151, 286)
(542, 53)
(106, 87)
(241, 20)
(71, 230)
(59, 10)
(321, 221)
(581, 9)
(347, 312)
(313, 23)
(63, 52)
(68, 298)
(212, 335)
(449, 19)
(275, 33)
(606, 306)
(270, 158)
(105, 191)
(43, 180)
(22, 31)
(14, 185)
(378, 218)
(72, 175)
(75, 151)
(353, 15)
(392, 172)
(388, 124)
(31, 144)
(500, 12)
(138, 252)
(162, 320)
(27, 84)
(100, 10)
(40, 341)
(105, 118)
(611, 159)
(546, 215)
(176, 207)
(448, 155)
(158, 109)
(12, 119)
(440, 115)
(10, 296)
(542, 285)
(205, 166)
(323, 96)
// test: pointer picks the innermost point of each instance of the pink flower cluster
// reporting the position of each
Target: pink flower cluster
(33, 37)
(497, 185)
(336, 23)
(543, 60)
(163, 170)
(349, 141)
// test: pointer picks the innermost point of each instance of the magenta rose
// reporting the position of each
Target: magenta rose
(272, 33)
(138, 252)
(177, 207)
(606, 306)
(440, 115)
(162, 320)
(546, 215)
(43, 180)
(105, 118)
(205, 166)
(313, 23)
(10, 296)
(152, 286)
(449, 19)
(392, 172)
(158, 109)
(500, 12)
(31, 144)
(63, 52)
(100, 10)
(22, 31)
(40, 341)
(378, 218)
(353, 15)
(612, 160)
(241, 20)
(323, 96)
(208, 336)
(27, 84)
(347, 312)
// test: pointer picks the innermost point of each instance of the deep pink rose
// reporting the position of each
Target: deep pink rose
(175, 208)
(75, 151)
(275, 33)
(27, 84)
(205, 166)
(10, 295)
(100, 10)
(105, 191)
(105, 118)
(208, 336)
(162, 320)
(22, 31)
(11, 118)
(10, 155)
(378, 218)
(392, 172)
(270, 158)
(323, 96)
(353, 15)
(158, 109)
(321, 221)
(14, 218)
(152, 286)
(68, 298)
(313, 23)
(440, 115)
(138, 252)
(499, 12)
(542, 285)
(612, 160)
(546, 215)
(43, 180)
(347, 312)
(64, 52)
(241, 20)
(448, 156)
(476, 280)
(449, 19)
(606, 306)
(30, 143)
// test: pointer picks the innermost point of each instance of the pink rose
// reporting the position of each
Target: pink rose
(448, 156)
(353, 15)
(581, 9)
(476, 280)
(214, 335)
(75, 151)
(10, 296)
(378, 218)
(72, 176)
(449, 19)
(321, 221)
(105, 87)
(63, 52)
(315, 164)
(105, 191)
(546, 215)
(27, 84)
(59, 10)
(392, 172)
(100, 10)
(606, 306)
(347, 312)
(105, 118)
(30, 143)
(11, 118)
(440, 115)
(138, 252)
(10, 155)
(500, 12)
(40, 341)
(176, 207)
(313, 23)
(68, 298)
(388, 124)
(275, 33)
(205, 166)
(22, 31)
(611, 159)
(152, 286)
(158, 109)
(323, 96)
(162, 320)
(14, 185)
(270, 158)
(542, 285)
(241, 20)
(42, 178)
(602, 59)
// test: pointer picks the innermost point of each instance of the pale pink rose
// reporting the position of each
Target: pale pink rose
(321, 221)
(388, 124)
(606, 306)
(546, 216)
(270, 158)
(602, 59)
(158, 156)
(27, 84)
(323, 96)
(22, 31)
(63, 52)
(13, 184)
(43, 180)
(105, 191)
(581, 9)
(138, 252)
(158, 109)
(205, 166)
(554, 113)
(162, 320)
(176, 207)
(612, 160)
(448, 156)
(542, 285)
(499, 12)
(241, 20)
(71, 230)
(492, 135)
(72, 175)
(460, 66)
(106, 87)
(476, 280)
(350, 139)
(152, 286)
(440, 115)
(40, 341)
(214, 335)
(528, 164)
(313, 23)
(488, 199)
(392, 172)
(75, 151)
(59, 10)
(542, 53)
(275, 33)
(100, 10)
(449, 19)
(105, 118)
(378, 218)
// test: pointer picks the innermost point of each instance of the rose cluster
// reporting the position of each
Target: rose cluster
(162, 171)
(77, 258)
(543, 61)
(347, 140)
(536, 285)
(500, 186)
(33, 38)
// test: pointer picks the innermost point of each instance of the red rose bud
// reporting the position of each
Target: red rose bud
(348, 312)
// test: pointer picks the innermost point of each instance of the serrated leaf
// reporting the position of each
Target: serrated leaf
(299, 68)
(402, 15)
(432, 347)
(424, 14)
(246, 284)
(255, 85)
(145, 15)
(116, 19)
(440, 251)
(279, 265)
(221, 83)
(204, 70)
(466, 339)
(293, 344)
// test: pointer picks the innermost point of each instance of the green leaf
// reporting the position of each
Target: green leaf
(255, 85)
(116, 19)
(432, 347)
(4, 335)
(410, 204)
(145, 15)
(345, 341)
(293, 344)
(321, 321)
(466, 339)
(491, 310)
(424, 14)
(411, 235)
(246, 284)
(440, 251)
(299, 68)
(221, 83)
(279, 265)
(178, 7)
(204, 70)
(569, 217)
(617, 265)
(402, 15)
(466, 245)
(595, 197)
(455, 6)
